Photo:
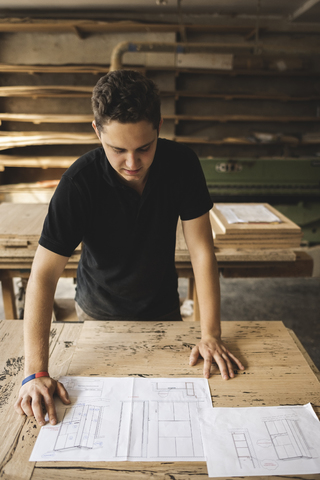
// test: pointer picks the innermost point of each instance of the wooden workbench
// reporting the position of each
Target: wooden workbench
(278, 372)
(21, 226)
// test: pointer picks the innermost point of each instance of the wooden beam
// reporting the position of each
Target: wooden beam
(45, 118)
(303, 9)
(239, 118)
(140, 22)
(82, 27)
(98, 69)
(46, 91)
(35, 162)
(23, 139)
(71, 91)
(241, 96)
(67, 118)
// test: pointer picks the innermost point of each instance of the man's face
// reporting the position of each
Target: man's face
(130, 149)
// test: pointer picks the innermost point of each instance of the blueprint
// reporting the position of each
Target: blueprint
(116, 419)
(261, 441)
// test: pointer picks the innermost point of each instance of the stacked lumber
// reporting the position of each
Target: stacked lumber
(252, 226)
(27, 193)
(20, 230)
(228, 255)
(21, 225)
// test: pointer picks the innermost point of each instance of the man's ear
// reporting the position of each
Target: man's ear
(94, 125)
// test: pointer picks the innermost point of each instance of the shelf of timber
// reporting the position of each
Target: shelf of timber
(67, 118)
(23, 139)
(71, 91)
(96, 69)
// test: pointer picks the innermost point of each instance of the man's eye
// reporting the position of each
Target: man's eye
(145, 149)
(117, 150)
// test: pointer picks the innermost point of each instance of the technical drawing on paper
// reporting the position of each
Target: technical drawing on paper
(86, 387)
(159, 429)
(284, 440)
(116, 419)
(163, 389)
(287, 439)
(79, 427)
(244, 448)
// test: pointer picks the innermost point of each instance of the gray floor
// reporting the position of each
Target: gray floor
(295, 301)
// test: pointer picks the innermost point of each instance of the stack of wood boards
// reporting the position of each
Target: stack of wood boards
(20, 230)
(252, 226)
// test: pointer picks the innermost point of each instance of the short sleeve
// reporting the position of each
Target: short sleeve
(65, 222)
(194, 197)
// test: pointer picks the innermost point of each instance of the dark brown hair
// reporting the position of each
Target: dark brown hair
(127, 97)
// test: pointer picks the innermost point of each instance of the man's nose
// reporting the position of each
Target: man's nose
(132, 160)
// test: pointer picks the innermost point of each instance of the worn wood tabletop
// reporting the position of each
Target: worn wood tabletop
(278, 372)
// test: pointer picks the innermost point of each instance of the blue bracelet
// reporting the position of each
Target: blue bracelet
(35, 375)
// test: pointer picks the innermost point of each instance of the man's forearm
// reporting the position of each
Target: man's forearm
(208, 291)
(37, 322)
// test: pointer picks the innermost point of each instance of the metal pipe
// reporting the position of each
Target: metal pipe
(173, 47)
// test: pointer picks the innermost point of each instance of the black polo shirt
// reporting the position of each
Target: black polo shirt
(127, 265)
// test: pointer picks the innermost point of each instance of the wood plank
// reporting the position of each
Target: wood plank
(92, 26)
(27, 254)
(40, 91)
(145, 471)
(219, 233)
(36, 162)
(97, 69)
(286, 224)
(244, 141)
(151, 348)
(23, 139)
(235, 96)
(8, 297)
(241, 118)
(301, 267)
(22, 221)
(76, 91)
(37, 118)
(235, 254)
(31, 69)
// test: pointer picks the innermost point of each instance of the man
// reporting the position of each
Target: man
(123, 201)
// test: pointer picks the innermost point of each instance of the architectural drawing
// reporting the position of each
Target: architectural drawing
(116, 419)
(244, 448)
(159, 429)
(259, 441)
(287, 439)
(79, 427)
(165, 388)
(86, 387)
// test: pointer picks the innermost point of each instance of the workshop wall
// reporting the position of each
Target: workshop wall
(241, 109)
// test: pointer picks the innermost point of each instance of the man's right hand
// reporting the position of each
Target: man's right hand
(37, 395)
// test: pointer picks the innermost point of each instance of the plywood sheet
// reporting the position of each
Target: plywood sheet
(286, 224)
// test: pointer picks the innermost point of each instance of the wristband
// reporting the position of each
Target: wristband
(35, 375)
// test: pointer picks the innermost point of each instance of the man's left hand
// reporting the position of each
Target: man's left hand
(213, 349)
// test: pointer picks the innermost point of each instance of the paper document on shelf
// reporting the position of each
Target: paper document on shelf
(248, 214)
(261, 441)
(116, 419)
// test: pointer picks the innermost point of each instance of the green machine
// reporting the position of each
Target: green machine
(292, 185)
